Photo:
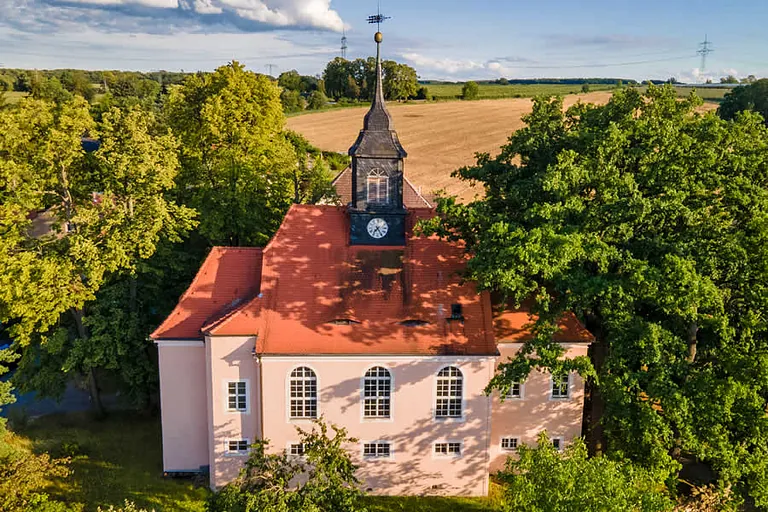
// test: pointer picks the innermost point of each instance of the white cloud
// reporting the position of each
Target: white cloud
(245, 15)
(446, 68)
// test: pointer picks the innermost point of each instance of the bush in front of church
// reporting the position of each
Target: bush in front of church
(322, 479)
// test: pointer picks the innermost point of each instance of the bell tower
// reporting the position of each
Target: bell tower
(377, 215)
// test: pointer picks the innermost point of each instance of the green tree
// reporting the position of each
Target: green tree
(317, 100)
(585, 88)
(730, 79)
(77, 82)
(748, 97)
(292, 101)
(542, 479)
(400, 81)
(336, 78)
(108, 211)
(269, 481)
(290, 80)
(311, 176)
(236, 161)
(470, 91)
(648, 221)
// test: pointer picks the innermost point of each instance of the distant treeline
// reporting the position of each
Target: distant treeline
(23, 80)
(543, 81)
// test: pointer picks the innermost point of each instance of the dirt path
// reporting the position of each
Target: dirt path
(439, 137)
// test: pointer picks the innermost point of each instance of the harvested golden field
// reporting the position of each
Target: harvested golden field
(439, 137)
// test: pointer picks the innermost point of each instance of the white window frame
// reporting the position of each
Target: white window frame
(449, 419)
(459, 455)
(521, 386)
(237, 453)
(377, 174)
(247, 409)
(567, 395)
(377, 419)
(561, 440)
(509, 450)
(365, 457)
(289, 418)
(288, 446)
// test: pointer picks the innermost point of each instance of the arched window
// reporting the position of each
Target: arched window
(449, 394)
(303, 388)
(378, 187)
(377, 393)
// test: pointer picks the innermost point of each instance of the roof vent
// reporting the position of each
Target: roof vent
(413, 322)
(343, 321)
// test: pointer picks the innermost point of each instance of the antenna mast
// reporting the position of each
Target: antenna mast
(705, 49)
(270, 67)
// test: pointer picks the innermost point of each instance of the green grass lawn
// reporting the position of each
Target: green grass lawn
(120, 458)
(12, 97)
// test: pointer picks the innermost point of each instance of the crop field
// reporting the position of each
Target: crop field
(439, 137)
(495, 91)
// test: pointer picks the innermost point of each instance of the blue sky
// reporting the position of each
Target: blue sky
(449, 39)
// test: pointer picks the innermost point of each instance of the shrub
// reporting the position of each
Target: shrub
(128, 506)
(585, 88)
(317, 100)
(322, 480)
(470, 91)
(422, 93)
(545, 480)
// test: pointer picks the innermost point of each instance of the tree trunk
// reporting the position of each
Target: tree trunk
(693, 330)
(594, 405)
(93, 385)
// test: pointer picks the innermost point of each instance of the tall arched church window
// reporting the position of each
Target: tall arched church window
(377, 393)
(449, 393)
(303, 393)
(378, 187)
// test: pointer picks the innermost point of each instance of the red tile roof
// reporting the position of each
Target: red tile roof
(412, 198)
(228, 276)
(512, 326)
(312, 277)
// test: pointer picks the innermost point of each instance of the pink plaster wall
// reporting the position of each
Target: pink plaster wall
(230, 358)
(412, 429)
(536, 411)
(183, 405)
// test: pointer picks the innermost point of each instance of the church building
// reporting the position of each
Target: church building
(348, 314)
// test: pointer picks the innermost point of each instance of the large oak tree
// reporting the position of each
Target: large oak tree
(649, 221)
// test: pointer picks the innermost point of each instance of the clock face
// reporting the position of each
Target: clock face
(377, 228)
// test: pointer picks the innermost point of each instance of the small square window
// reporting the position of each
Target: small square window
(296, 449)
(509, 444)
(239, 446)
(557, 443)
(448, 449)
(379, 449)
(515, 391)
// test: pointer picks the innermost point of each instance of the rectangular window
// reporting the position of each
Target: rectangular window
(378, 187)
(378, 449)
(509, 444)
(237, 396)
(296, 449)
(560, 386)
(448, 449)
(456, 312)
(515, 391)
(557, 443)
(237, 447)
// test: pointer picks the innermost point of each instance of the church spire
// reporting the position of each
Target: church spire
(378, 138)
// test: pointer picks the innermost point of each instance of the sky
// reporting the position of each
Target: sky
(445, 40)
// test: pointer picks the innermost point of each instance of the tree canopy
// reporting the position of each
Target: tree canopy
(747, 97)
(648, 221)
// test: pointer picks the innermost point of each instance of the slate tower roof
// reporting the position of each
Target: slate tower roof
(378, 137)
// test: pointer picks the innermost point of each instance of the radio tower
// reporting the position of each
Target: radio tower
(344, 44)
(705, 49)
